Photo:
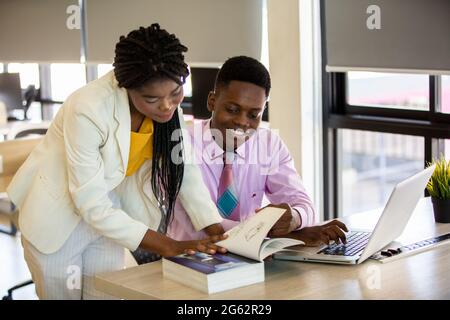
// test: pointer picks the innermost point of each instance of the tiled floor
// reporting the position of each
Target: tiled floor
(14, 270)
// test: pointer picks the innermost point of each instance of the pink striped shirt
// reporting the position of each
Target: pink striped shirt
(262, 167)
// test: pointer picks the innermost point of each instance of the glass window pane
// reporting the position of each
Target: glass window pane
(447, 149)
(66, 78)
(371, 164)
(1, 67)
(29, 73)
(445, 94)
(103, 69)
(187, 87)
(388, 90)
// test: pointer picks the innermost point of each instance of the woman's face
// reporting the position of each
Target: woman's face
(157, 99)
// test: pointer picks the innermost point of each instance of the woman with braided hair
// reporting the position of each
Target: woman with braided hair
(81, 193)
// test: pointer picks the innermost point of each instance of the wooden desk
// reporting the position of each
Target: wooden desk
(421, 276)
(13, 153)
(4, 182)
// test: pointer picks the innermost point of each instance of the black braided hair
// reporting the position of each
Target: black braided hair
(149, 54)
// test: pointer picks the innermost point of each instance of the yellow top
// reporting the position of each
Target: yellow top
(141, 146)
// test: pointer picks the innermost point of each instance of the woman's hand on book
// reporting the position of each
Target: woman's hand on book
(206, 245)
(167, 247)
(214, 229)
(324, 234)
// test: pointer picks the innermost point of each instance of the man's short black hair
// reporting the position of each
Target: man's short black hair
(246, 69)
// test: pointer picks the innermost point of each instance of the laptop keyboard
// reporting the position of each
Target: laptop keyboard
(356, 242)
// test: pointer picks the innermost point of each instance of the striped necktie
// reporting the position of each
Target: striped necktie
(227, 199)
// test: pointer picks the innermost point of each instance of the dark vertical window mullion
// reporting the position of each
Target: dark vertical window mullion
(326, 132)
(432, 94)
(334, 98)
(435, 114)
(428, 154)
(334, 185)
(437, 146)
(432, 102)
(428, 150)
(339, 93)
(338, 106)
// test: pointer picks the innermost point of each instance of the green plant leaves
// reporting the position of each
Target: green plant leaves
(439, 184)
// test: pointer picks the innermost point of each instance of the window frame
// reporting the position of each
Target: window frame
(430, 124)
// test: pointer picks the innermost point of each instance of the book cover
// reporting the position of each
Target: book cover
(207, 264)
(213, 273)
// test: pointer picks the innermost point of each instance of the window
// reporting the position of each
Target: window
(447, 149)
(445, 94)
(369, 149)
(1, 67)
(378, 127)
(370, 164)
(65, 79)
(388, 90)
(29, 73)
(103, 69)
(187, 88)
(442, 147)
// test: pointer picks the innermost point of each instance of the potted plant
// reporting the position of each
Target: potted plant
(439, 189)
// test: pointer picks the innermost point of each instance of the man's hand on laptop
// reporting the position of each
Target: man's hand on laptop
(323, 234)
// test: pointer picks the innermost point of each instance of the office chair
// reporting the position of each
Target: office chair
(20, 285)
(30, 96)
(24, 129)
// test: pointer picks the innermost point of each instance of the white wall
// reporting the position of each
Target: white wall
(284, 61)
(295, 100)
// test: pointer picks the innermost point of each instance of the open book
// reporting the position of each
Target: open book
(248, 238)
(218, 272)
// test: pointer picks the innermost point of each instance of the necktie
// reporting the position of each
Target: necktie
(227, 199)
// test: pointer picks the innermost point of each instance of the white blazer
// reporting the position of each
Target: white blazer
(80, 165)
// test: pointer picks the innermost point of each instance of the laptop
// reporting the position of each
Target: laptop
(362, 244)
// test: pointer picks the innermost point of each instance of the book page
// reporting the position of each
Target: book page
(271, 246)
(246, 238)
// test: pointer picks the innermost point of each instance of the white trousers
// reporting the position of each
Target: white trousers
(68, 274)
